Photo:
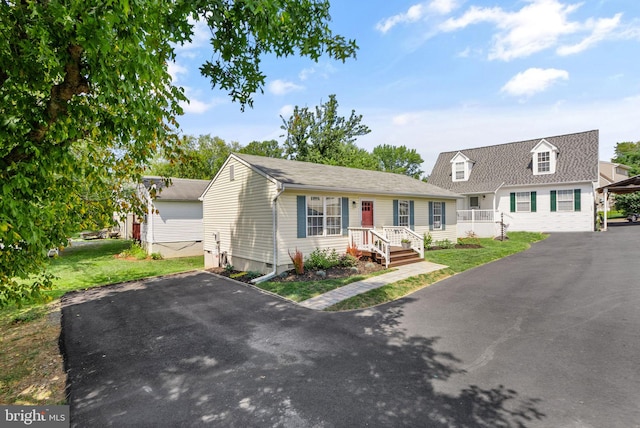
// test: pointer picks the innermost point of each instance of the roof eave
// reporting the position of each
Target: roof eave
(290, 186)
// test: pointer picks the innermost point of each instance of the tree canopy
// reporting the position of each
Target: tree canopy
(399, 160)
(87, 100)
(322, 136)
(628, 153)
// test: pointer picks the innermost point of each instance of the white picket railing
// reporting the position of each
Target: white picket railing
(368, 239)
(476, 216)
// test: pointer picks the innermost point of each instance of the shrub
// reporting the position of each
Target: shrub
(347, 260)
(156, 256)
(471, 238)
(228, 267)
(135, 251)
(298, 261)
(445, 244)
(322, 259)
(428, 240)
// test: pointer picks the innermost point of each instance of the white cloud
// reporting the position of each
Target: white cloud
(413, 14)
(200, 39)
(418, 12)
(442, 7)
(533, 80)
(175, 70)
(305, 73)
(600, 30)
(433, 131)
(539, 25)
(323, 70)
(196, 106)
(282, 87)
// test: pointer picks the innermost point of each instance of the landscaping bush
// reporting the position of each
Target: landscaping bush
(135, 251)
(322, 259)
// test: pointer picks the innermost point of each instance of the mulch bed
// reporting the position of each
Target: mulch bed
(364, 267)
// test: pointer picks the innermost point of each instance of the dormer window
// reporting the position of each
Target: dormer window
(544, 163)
(459, 171)
(460, 167)
(544, 156)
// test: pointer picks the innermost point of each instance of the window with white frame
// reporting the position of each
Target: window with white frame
(523, 201)
(544, 162)
(460, 171)
(474, 202)
(324, 216)
(565, 200)
(403, 213)
(437, 215)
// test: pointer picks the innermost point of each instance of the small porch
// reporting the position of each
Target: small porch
(391, 246)
(482, 223)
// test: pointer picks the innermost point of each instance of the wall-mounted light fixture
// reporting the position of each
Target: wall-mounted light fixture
(353, 203)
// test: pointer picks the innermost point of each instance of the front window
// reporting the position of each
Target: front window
(544, 162)
(403, 213)
(459, 170)
(324, 216)
(565, 200)
(523, 201)
(474, 202)
(437, 216)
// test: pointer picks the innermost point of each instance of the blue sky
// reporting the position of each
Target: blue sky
(443, 75)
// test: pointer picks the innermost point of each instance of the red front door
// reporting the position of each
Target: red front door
(367, 213)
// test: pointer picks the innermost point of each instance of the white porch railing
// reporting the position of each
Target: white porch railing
(396, 234)
(482, 223)
(367, 239)
(476, 216)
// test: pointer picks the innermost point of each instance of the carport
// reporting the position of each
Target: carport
(630, 185)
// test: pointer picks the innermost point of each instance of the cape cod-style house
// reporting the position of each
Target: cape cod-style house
(543, 185)
(258, 209)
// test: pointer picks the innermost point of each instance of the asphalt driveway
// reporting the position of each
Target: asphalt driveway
(548, 337)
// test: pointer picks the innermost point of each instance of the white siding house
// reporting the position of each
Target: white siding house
(258, 209)
(540, 185)
(173, 223)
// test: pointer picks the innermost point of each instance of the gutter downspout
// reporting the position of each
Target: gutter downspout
(275, 242)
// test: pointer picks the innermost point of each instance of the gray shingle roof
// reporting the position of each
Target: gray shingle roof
(181, 189)
(511, 164)
(307, 175)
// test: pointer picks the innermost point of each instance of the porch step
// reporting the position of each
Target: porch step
(399, 256)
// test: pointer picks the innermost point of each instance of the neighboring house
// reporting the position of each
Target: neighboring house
(173, 223)
(258, 209)
(543, 185)
(610, 173)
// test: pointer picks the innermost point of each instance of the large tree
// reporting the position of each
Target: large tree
(87, 100)
(268, 148)
(199, 158)
(323, 136)
(628, 153)
(399, 160)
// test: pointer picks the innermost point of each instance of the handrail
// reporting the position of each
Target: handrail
(381, 245)
(397, 234)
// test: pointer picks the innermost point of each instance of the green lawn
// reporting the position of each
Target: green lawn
(94, 263)
(458, 260)
(303, 290)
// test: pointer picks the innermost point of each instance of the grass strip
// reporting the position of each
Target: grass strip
(457, 260)
(303, 290)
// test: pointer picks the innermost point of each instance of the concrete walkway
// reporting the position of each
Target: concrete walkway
(339, 294)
